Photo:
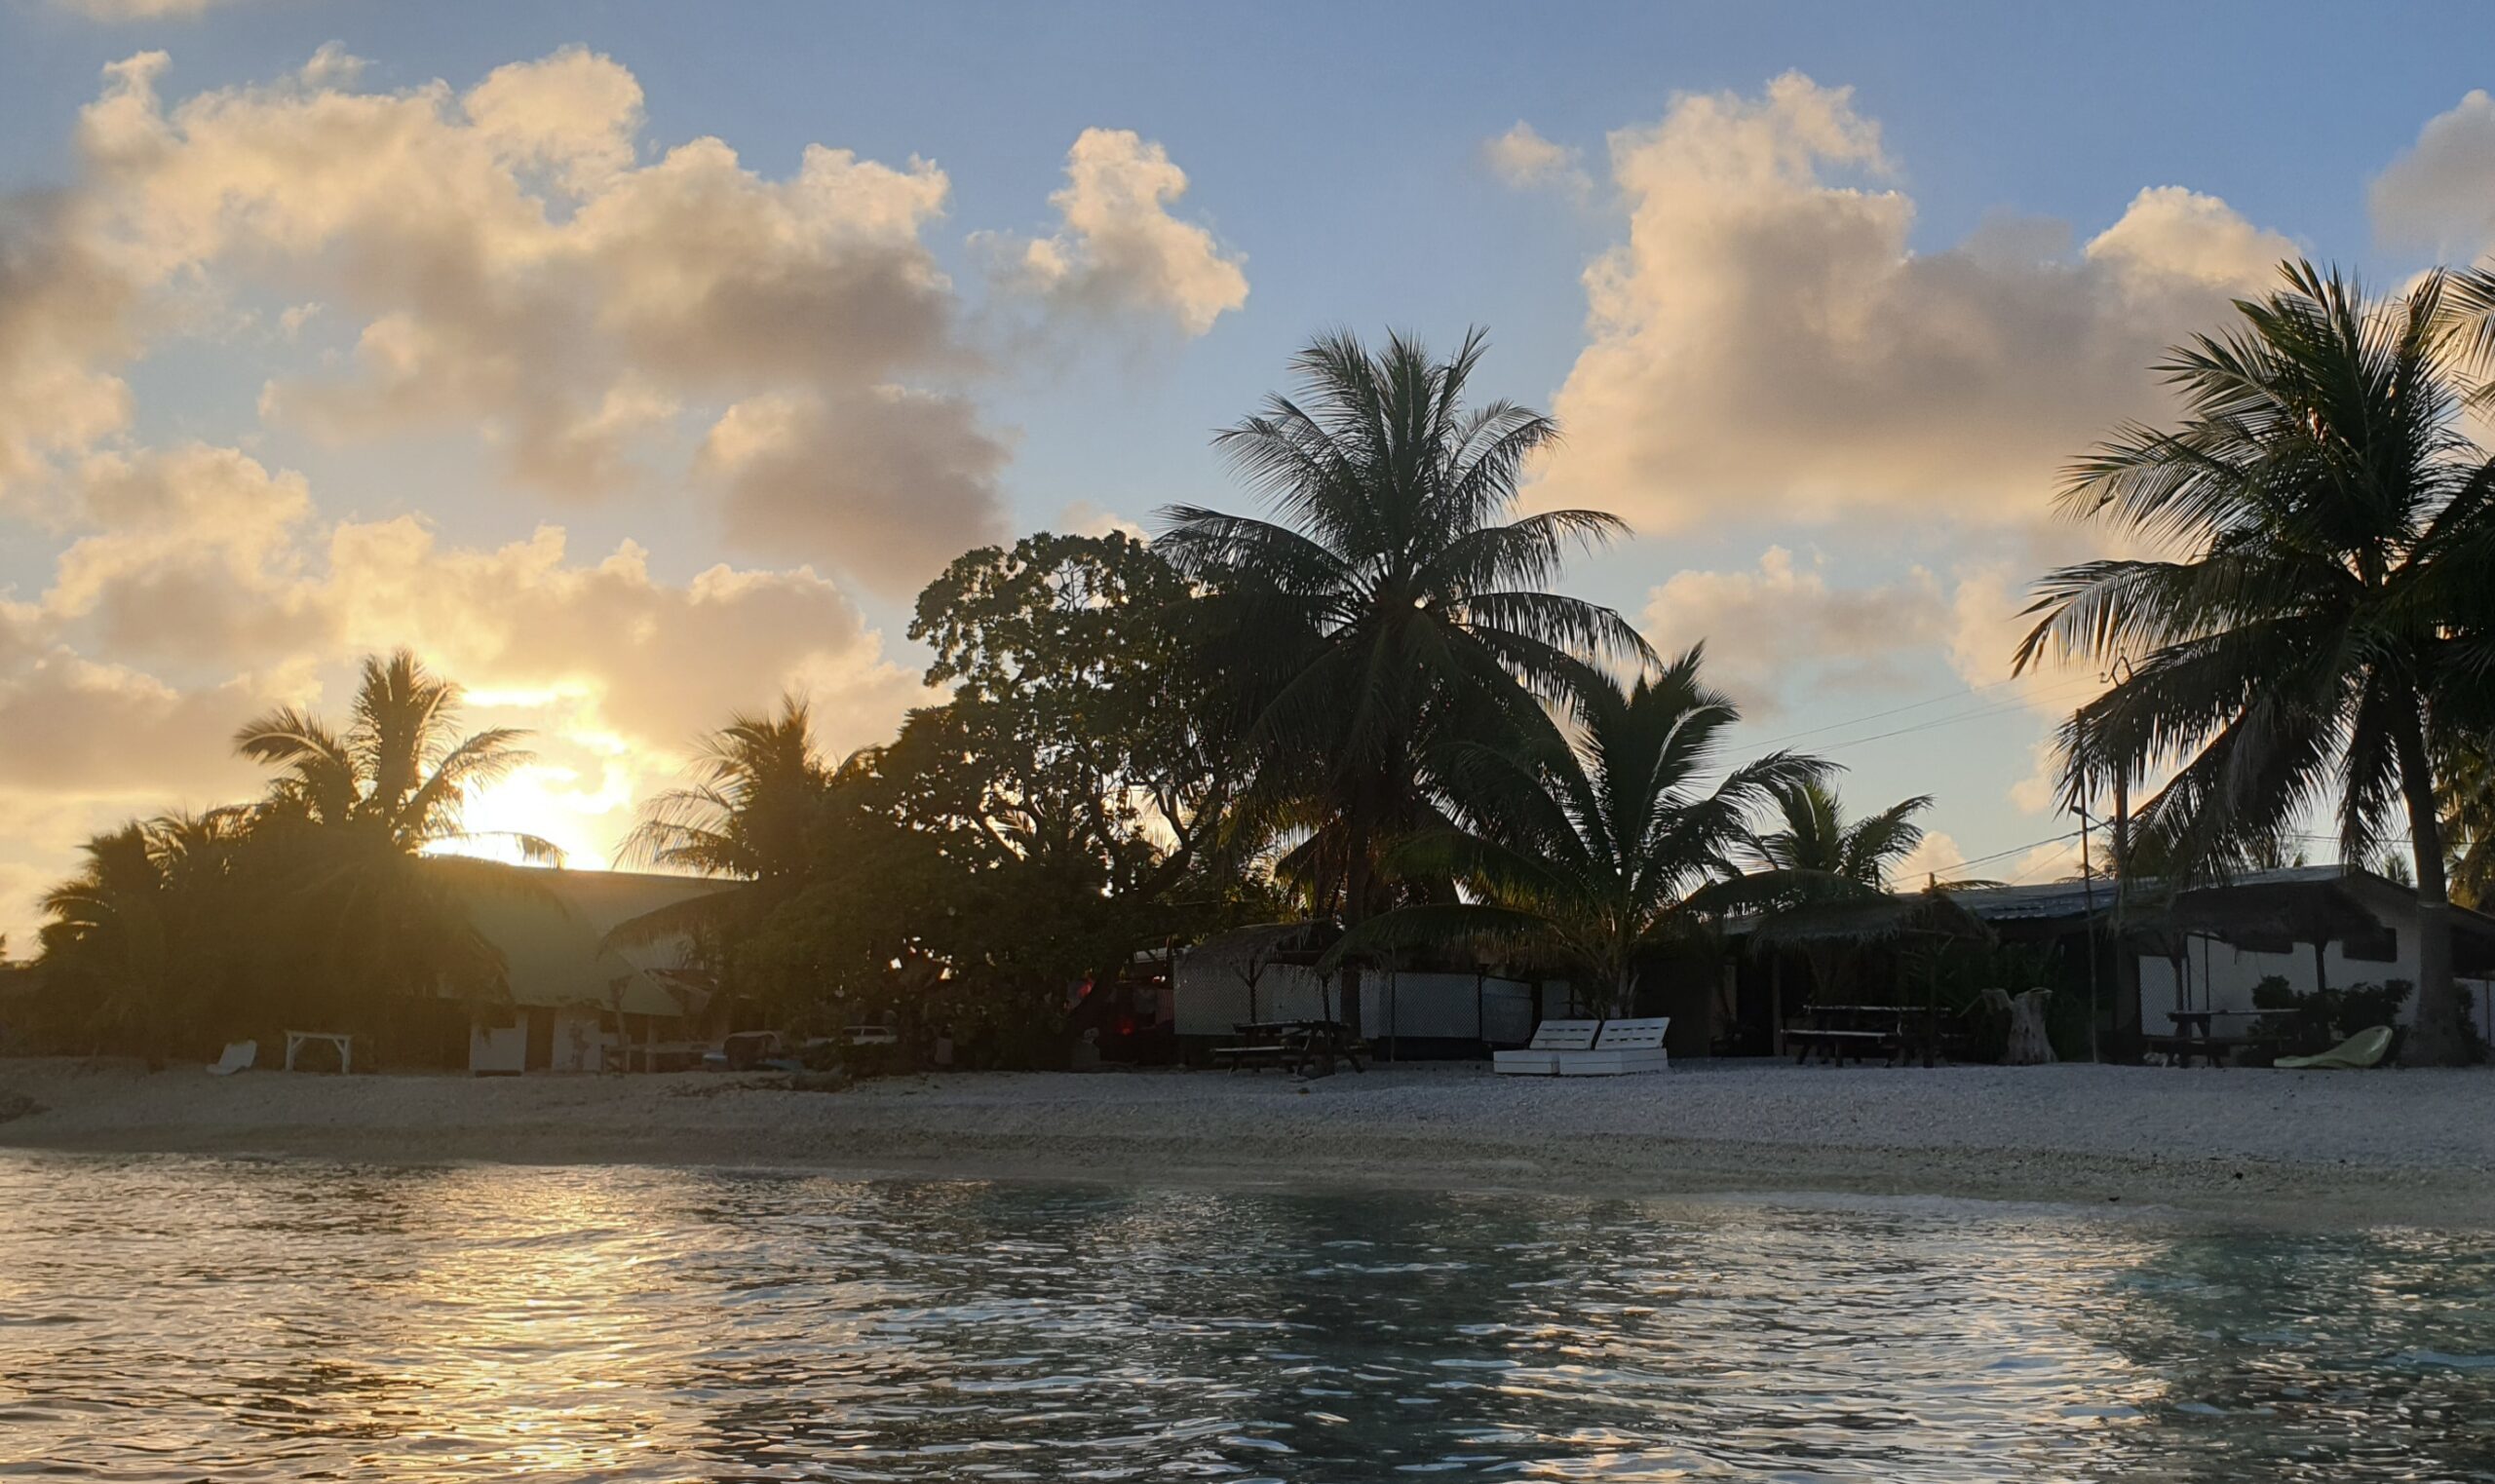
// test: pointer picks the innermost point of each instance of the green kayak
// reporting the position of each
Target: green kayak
(2365, 1048)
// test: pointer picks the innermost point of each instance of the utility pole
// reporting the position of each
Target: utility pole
(2088, 879)
(2127, 964)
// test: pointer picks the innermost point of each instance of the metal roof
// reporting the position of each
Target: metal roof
(551, 930)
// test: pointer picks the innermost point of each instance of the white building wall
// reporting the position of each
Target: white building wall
(580, 1043)
(2221, 976)
(1212, 999)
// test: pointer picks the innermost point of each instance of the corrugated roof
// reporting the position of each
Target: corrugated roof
(2046, 902)
(551, 927)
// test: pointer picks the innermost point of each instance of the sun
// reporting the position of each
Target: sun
(549, 802)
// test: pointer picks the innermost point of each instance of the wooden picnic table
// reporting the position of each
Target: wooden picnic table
(1839, 1030)
(1294, 1046)
(2194, 1035)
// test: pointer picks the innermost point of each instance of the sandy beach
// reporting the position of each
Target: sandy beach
(2414, 1146)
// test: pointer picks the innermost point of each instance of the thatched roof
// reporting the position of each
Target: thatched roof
(1932, 915)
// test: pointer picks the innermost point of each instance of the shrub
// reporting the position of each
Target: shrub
(2302, 1022)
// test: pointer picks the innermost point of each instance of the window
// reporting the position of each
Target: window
(2379, 947)
(2264, 942)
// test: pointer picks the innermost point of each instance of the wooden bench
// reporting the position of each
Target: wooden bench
(1296, 1046)
(2214, 1050)
(1252, 1056)
(1834, 1045)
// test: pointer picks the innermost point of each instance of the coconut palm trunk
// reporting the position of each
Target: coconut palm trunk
(2438, 1037)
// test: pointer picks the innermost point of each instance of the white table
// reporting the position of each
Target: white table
(343, 1041)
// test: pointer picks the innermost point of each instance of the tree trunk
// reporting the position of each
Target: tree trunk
(1355, 912)
(2438, 1039)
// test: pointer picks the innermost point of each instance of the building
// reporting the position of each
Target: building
(575, 996)
(2202, 951)
(1436, 1007)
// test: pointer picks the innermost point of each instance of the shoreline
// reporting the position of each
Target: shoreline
(2333, 1149)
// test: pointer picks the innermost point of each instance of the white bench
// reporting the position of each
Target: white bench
(1623, 1047)
(1552, 1040)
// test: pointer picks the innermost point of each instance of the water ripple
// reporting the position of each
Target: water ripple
(180, 1319)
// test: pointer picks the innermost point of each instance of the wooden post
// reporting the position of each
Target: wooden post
(1776, 1003)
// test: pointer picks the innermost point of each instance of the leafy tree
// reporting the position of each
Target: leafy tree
(2330, 523)
(1081, 721)
(1392, 609)
(1597, 852)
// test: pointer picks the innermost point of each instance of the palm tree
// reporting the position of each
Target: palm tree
(396, 772)
(349, 813)
(2330, 521)
(148, 916)
(755, 787)
(1391, 607)
(1829, 864)
(1815, 836)
(752, 811)
(1596, 851)
(2466, 796)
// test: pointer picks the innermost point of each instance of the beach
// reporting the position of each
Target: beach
(2406, 1146)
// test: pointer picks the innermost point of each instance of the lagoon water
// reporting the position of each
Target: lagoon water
(181, 1320)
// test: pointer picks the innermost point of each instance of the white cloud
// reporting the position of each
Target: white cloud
(515, 268)
(1936, 856)
(2440, 194)
(192, 558)
(64, 317)
(889, 484)
(1120, 251)
(219, 576)
(138, 10)
(1526, 161)
(516, 262)
(1085, 518)
(1766, 343)
(1782, 628)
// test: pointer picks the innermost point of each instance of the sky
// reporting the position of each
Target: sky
(634, 362)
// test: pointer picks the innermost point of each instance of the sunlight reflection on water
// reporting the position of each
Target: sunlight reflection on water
(169, 1318)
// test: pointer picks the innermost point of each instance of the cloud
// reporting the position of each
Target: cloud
(2440, 194)
(1120, 251)
(653, 661)
(192, 558)
(1523, 159)
(1781, 628)
(1083, 518)
(65, 317)
(888, 483)
(513, 266)
(517, 263)
(1936, 856)
(1765, 342)
(137, 9)
(72, 728)
(221, 575)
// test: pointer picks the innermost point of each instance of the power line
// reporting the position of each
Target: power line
(2068, 834)
(1894, 710)
(1979, 714)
